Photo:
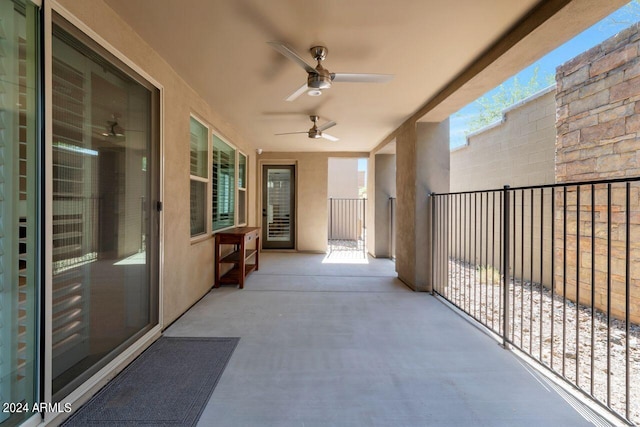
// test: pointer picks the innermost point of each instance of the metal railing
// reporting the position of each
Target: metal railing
(347, 231)
(392, 228)
(554, 271)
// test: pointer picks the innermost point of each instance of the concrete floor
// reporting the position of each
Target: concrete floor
(326, 344)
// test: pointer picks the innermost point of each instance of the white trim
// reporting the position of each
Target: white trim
(206, 234)
(198, 238)
(48, 202)
(34, 420)
(161, 165)
(208, 129)
(197, 178)
(244, 189)
(214, 131)
(92, 385)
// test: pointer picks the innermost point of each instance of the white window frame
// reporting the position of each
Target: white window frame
(237, 188)
(206, 234)
(242, 189)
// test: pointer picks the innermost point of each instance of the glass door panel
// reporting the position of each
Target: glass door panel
(19, 225)
(104, 247)
(278, 207)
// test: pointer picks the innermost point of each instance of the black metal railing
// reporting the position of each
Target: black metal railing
(392, 228)
(554, 271)
(347, 230)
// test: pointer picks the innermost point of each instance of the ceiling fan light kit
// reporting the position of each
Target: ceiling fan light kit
(316, 131)
(319, 79)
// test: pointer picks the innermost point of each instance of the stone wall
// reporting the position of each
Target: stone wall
(598, 125)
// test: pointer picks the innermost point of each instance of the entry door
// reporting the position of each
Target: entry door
(278, 207)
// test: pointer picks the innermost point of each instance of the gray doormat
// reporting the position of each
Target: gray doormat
(169, 384)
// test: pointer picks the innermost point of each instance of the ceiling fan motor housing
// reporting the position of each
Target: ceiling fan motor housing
(321, 79)
(315, 133)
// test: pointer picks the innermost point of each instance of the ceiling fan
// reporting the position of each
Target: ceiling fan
(112, 129)
(316, 131)
(319, 78)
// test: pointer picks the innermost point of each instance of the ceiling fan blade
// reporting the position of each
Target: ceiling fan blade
(290, 133)
(292, 55)
(327, 126)
(302, 89)
(361, 77)
(330, 137)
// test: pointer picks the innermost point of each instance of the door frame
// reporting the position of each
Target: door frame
(95, 382)
(259, 195)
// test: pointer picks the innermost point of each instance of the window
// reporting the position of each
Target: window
(224, 180)
(199, 152)
(242, 189)
(229, 185)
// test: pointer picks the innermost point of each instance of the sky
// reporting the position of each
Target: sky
(592, 36)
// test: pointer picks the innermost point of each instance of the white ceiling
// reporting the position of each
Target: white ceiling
(220, 48)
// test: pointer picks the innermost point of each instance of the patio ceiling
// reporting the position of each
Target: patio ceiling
(220, 48)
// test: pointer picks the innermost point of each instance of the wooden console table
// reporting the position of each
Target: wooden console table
(240, 238)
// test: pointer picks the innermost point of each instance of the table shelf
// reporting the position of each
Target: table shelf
(241, 238)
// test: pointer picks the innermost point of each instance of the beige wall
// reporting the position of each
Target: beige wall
(343, 178)
(518, 151)
(186, 268)
(405, 203)
(385, 187)
(422, 167)
(311, 194)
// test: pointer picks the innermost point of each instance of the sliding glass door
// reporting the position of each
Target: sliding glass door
(19, 223)
(105, 185)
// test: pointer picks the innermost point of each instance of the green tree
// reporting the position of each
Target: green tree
(491, 107)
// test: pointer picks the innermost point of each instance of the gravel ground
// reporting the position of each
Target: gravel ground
(557, 332)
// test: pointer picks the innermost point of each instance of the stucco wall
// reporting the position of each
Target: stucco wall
(406, 202)
(186, 268)
(385, 187)
(518, 151)
(422, 167)
(311, 194)
(343, 178)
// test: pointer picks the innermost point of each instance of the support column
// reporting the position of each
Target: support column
(422, 154)
(385, 187)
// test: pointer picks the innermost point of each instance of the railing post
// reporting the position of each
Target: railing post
(331, 218)
(364, 226)
(391, 228)
(506, 214)
(432, 240)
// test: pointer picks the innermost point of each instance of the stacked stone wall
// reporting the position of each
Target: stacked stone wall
(598, 137)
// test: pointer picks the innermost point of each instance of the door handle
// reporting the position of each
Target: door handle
(264, 212)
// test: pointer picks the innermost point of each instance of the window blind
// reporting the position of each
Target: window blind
(223, 188)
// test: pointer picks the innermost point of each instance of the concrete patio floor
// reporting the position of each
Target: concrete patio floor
(338, 344)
